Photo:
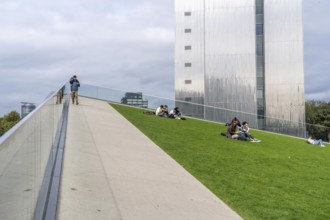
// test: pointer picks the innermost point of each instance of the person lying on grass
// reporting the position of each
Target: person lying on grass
(310, 140)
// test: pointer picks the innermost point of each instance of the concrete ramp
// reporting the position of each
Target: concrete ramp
(113, 171)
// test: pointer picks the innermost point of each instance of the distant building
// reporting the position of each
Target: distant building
(26, 108)
(134, 99)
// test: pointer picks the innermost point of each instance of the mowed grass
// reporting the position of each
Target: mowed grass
(279, 178)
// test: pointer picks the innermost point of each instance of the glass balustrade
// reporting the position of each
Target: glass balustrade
(25, 151)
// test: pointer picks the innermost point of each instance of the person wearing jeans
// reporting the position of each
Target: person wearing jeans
(245, 129)
(310, 140)
(74, 89)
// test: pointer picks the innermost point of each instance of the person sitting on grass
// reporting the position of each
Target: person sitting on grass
(235, 119)
(310, 140)
(165, 111)
(175, 113)
(245, 130)
(159, 111)
(232, 131)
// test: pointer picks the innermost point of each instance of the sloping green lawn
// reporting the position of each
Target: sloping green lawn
(279, 178)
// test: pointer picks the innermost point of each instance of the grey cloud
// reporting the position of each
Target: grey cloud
(106, 43)
(317, 49)
(127, 45)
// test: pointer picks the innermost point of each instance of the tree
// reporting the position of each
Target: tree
(8, 121)
(318, 119)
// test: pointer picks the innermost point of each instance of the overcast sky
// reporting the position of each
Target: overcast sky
(127, 45)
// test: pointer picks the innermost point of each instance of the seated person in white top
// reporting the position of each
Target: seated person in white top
(245, 130)
(175, 113)
(160, 111)
(165, 111)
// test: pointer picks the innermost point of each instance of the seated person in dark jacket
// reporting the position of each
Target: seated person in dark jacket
(232, 131)
(175, 113)
(238, 123)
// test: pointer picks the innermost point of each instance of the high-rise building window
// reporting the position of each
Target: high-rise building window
(260, 40)
(261, 111)
(187, 81)
(260, 103)
(187, 13)
(187, 30)
(187, 47)
(259, 19)
(260, 50)
(259, 29)
(260, 9)
(260, 71)
(187, 64)
(260, 81)
(260, 94)
(260, 61)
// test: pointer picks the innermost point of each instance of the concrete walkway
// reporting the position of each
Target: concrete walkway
(113, 171)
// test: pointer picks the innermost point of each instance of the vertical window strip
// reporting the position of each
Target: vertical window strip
(260, 65)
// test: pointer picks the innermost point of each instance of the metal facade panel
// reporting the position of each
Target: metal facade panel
(194, 91)
(230, 59)
(221, 62)
(284, 67)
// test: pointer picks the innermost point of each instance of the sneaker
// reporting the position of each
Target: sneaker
(322, 145)
(257, 140)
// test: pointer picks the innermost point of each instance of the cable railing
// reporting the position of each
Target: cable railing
(206, 112)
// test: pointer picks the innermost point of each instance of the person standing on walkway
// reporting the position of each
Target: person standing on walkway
(74, 89)
(59, 95)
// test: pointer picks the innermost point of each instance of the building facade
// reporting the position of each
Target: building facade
(134, 99)
(241, 58)
(26, 108)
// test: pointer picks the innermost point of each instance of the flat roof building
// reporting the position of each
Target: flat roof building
(134, 99)
(26, 108)
(241, 58)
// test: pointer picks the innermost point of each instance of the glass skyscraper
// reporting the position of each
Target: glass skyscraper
(241, 58)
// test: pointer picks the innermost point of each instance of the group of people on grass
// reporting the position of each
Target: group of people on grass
(162, 111)
(235, 130)
(239, 131)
